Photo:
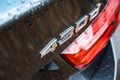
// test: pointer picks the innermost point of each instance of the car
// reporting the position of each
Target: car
(58, 39)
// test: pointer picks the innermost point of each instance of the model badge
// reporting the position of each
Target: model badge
(70, 31)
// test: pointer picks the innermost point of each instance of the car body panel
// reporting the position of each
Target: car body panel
(25, 32)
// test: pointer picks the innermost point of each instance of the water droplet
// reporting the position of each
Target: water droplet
(28, 11)
(34, 2)
(9, 14)
(42, 4)
(9, 2)
(31, 3)
(32, 10)
(23, 1)
(16, 17)
(18, 9)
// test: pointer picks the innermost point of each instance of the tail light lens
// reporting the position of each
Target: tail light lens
(86, 47)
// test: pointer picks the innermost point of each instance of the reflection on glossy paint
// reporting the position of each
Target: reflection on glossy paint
(12, 9)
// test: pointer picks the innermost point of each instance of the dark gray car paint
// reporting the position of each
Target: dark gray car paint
(22, 37)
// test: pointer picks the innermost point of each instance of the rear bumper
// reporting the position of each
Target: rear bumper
(115, 41)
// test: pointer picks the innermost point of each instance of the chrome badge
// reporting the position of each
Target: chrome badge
(70, 31)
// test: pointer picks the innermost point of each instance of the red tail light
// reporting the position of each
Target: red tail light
(86, 47)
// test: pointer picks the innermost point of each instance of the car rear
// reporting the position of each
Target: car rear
(53, 39)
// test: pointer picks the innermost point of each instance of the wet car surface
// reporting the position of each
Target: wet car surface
(37, 37)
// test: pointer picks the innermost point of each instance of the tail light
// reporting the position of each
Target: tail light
(87, 46)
